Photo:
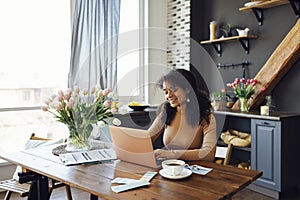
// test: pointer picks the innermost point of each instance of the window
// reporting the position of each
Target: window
(35, 55)
(35, 48)
(130, 71)
(26, 96)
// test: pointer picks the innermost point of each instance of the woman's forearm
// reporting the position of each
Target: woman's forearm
(192, 154)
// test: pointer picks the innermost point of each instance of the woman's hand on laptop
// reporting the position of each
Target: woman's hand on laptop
(166, 154)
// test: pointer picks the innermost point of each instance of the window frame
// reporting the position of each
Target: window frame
(143, 56)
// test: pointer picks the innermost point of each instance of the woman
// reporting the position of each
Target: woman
(185, 119)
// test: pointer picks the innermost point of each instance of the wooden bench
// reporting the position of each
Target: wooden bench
(13, 185)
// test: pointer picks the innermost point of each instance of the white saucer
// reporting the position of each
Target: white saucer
(185, 173)
(252, 3)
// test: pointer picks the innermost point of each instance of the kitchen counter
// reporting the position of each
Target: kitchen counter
(256, 114)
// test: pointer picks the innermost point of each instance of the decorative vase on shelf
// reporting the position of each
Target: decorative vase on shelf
(244, 104)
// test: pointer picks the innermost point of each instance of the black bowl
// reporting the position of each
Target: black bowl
(138, 108)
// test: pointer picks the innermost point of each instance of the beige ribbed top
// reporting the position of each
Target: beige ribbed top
(186, 141)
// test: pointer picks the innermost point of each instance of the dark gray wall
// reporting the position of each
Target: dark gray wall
(277, 23)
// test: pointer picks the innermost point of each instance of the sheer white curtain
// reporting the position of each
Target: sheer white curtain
(95, 26)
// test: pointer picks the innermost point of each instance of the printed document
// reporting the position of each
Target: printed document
(88, 157)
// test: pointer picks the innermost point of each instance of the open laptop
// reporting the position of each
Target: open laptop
(134, 145)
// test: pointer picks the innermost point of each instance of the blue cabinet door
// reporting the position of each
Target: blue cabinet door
(265, 152)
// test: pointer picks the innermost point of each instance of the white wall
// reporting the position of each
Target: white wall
(157, 56)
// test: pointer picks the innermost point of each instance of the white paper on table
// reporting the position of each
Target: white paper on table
(197, 169)
(85, 157)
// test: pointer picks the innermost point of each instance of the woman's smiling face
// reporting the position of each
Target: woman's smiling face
(175, 95)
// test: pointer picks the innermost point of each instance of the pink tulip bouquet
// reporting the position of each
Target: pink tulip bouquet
(243, 88)
(80, 109)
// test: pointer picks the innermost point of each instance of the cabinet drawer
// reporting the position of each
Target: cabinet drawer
(266, 123)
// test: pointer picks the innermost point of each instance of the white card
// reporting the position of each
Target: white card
(148, 176)
(129, 186)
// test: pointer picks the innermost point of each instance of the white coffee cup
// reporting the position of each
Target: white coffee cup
(173, 167)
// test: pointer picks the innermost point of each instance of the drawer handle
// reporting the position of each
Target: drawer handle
(266, 123)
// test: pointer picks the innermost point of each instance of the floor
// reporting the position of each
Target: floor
(246, 194)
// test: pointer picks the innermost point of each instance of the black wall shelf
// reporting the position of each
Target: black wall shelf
(257, 9)
(217, 44)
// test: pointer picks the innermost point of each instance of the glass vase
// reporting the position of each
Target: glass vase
(79, 139)
(244, 107)
(77, 144)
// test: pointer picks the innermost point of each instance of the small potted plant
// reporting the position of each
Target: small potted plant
(218, 99)
(226, 30)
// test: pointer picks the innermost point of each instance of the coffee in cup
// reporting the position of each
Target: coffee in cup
(173, 167)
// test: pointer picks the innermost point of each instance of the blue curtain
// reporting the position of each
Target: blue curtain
(95, 28)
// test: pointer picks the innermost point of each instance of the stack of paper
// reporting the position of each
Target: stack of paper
(88, 157)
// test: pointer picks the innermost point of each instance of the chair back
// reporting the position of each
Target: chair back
(33, 137)
(224, 153)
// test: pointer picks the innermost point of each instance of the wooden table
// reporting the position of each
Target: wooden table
(221, 183)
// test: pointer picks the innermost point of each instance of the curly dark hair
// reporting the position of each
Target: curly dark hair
(199, 106)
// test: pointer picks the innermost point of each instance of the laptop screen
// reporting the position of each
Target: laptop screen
(133, 145)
